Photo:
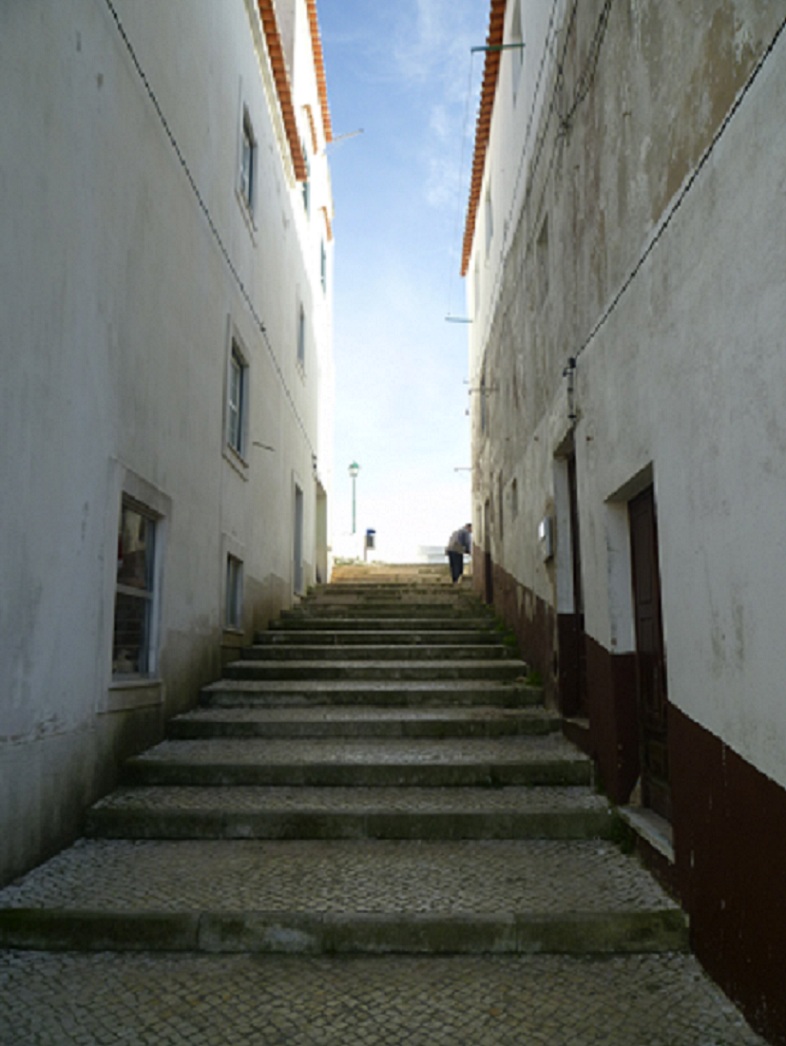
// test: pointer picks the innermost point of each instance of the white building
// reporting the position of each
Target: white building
(166, 362)
(625, 254)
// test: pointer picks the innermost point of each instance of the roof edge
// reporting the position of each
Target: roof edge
(483, 124)
(319, 65)
(267, 13)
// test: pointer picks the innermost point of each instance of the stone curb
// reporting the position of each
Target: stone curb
(577, 933)
(124, 823)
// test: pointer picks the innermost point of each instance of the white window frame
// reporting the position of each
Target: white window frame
(517, 52)
(301, 337)
(148, 593)
(248, 163)
(306, 187)
(237, 399)
(233, 594)
(488, 212)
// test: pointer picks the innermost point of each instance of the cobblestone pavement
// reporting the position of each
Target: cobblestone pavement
(535, 876)
(111, 1000)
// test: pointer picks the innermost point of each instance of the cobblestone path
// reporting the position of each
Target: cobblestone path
(370, 831)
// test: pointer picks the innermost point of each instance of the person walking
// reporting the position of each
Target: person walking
(460, 544)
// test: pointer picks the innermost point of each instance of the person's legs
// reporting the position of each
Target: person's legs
(456, 565)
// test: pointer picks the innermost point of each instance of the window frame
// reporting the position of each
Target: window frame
(237, 400)
(233, 593)
(248, 163)
(148, 593)
(301, 337)
(517, 52)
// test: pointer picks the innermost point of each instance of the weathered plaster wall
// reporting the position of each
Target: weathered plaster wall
(118, 306)
(683, 380)
(640, 229)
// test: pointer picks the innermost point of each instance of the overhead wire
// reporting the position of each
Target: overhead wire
(581, 91)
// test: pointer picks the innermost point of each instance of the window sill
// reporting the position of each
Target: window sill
(125, 695)
(653, 829)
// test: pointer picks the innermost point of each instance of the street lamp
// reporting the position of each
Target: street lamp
(354, 468)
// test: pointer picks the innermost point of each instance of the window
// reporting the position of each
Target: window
(489, 213)
(133, 641)
(484, 409)
(233, 613)
(323, 265)
(307, 181)
(248, 163)
(297, 579)
(543, 258)
(237, 399)
(517, 52)
(301, 337)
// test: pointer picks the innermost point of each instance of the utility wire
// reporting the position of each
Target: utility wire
(679, 199)
(583, 86)
(210, 221)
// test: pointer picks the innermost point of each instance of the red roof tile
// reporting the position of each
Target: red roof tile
(278, 63)
(483, 126)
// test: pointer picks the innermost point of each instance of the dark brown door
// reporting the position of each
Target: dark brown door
(650, 655)
(488, 564)
(579, 675)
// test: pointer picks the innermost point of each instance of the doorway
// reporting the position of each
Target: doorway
(652, 698)
(573, 675)
(488, 563)
(298, 545)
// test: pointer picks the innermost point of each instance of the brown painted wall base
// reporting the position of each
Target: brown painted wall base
(730, 843)
(729, 820)
(533, 622)
(611, 701)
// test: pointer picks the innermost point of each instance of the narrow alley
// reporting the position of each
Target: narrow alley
(371, 830)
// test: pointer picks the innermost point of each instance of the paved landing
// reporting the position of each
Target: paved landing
(174, 1000)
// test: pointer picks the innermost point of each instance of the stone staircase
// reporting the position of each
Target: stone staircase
(374, 775)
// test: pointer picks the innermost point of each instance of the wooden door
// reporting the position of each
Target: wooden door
(579, 655)
(650, 655)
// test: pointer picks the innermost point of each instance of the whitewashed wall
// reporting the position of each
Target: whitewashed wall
(117, 306)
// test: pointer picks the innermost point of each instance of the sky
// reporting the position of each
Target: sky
(405, 74)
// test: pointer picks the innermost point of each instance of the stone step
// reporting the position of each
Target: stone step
(546, 760)
(158, 812)
(504, 669)
(362, 636)
(331, 721)
(334, 896)
(250, 693)
(374, 651)
(353, 623)
(412, 596)
(445, 609)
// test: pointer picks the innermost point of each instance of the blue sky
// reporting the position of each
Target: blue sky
(404, 73)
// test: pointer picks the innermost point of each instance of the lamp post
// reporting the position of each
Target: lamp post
(354, 468)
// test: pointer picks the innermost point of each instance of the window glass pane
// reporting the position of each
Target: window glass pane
(301, 336)
(131, 647)
(234, 593)
(132, 630)
(235, 404)
(135, 549)
(247, 162)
